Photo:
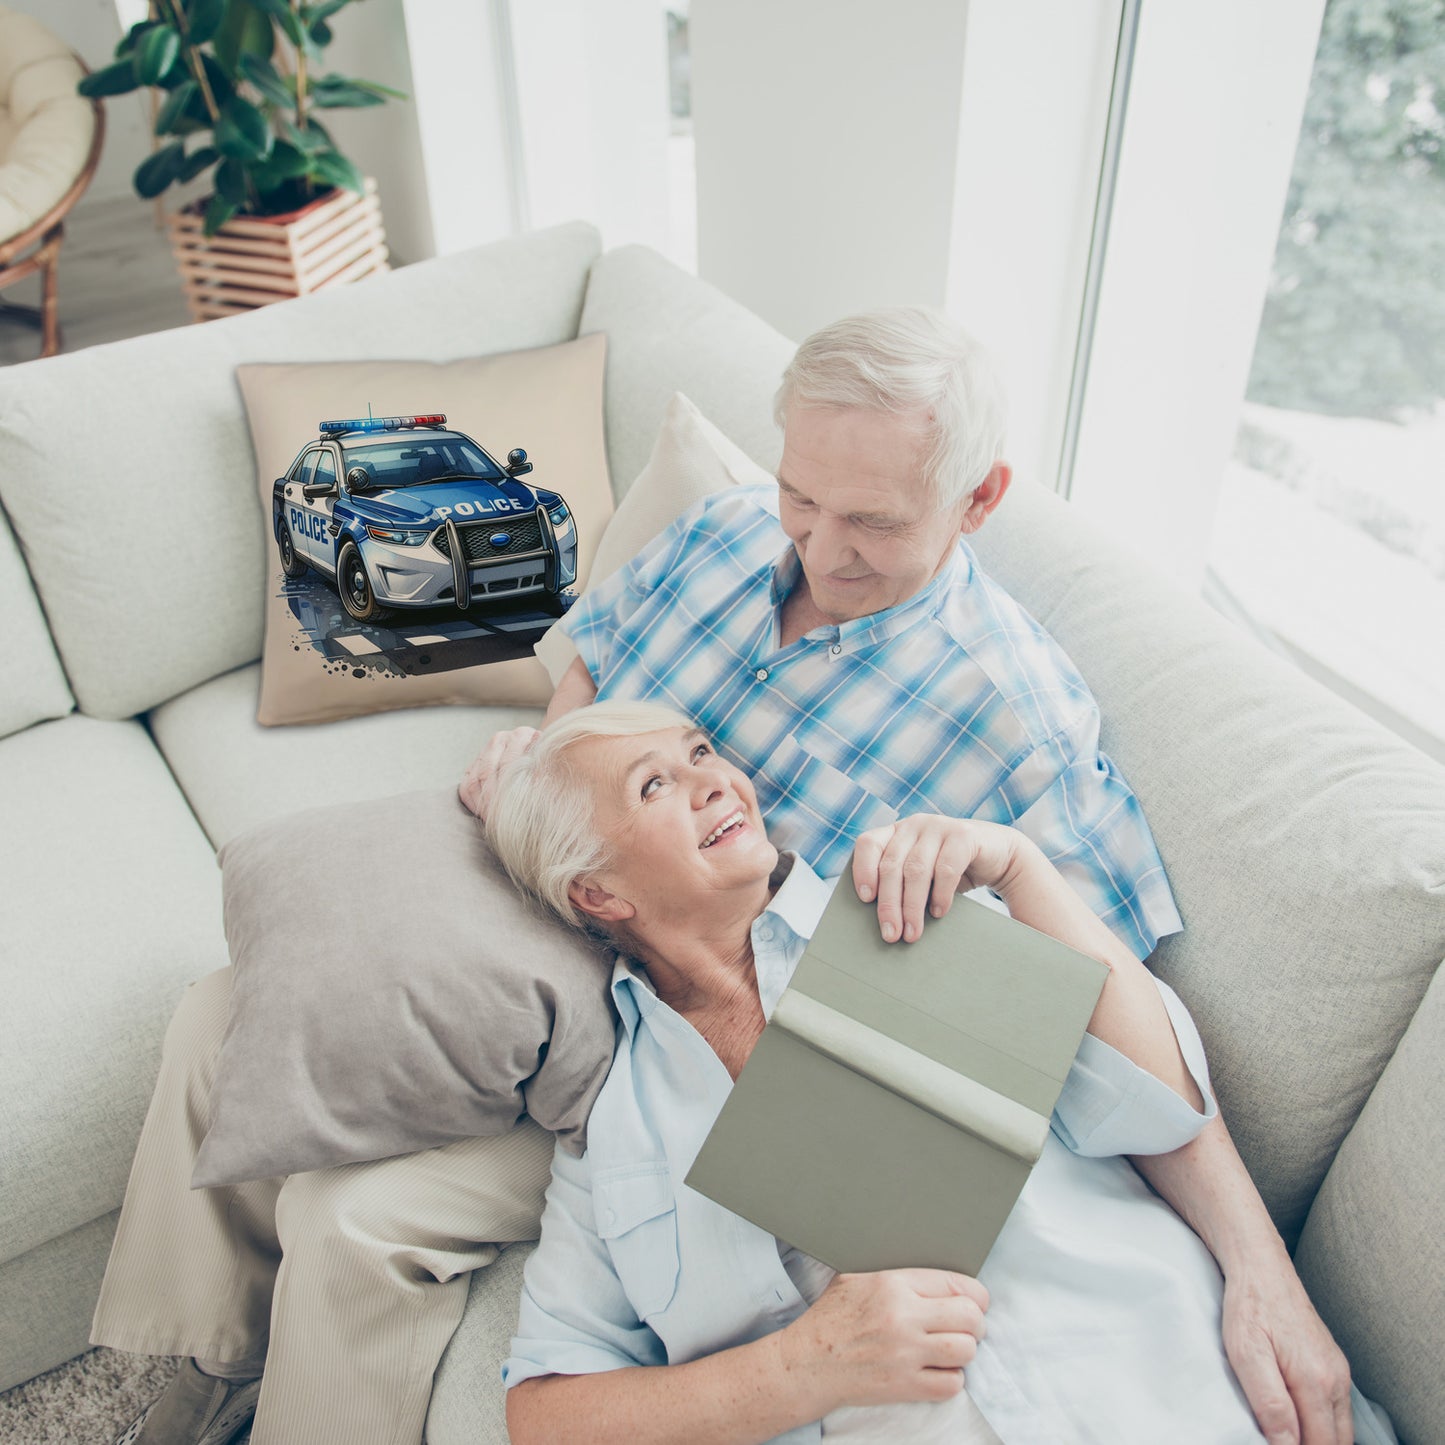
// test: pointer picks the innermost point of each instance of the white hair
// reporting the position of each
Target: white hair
(908, 360)
(542, 820)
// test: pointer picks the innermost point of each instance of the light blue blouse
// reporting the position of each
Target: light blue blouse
(1105, 1316)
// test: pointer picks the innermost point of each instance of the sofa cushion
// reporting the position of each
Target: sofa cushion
(1301, 840)
(110, 906)
(1372, 1254)
(320, 663)
(35, 687)
(127, 471)
(669, 332)
(237, 774)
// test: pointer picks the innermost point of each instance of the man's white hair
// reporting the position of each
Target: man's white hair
(542, 820)
(908, 360)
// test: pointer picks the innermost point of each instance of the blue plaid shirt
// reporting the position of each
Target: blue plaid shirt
(954, 702)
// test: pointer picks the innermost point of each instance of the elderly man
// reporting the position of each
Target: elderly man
(838, 640)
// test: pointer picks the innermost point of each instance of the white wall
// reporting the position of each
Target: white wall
(827, 142)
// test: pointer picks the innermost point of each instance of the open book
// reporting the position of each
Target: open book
(892, 1109)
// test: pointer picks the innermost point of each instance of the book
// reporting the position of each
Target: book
(893, 1107)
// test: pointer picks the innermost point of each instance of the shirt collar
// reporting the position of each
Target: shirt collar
(779, 933)
(878, 627)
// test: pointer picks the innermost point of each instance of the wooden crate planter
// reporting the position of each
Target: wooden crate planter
(255, 260)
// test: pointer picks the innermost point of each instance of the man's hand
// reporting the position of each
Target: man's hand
(475, 788)
(1295, 1377)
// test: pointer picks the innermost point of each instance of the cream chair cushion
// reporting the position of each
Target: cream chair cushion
(45, 126)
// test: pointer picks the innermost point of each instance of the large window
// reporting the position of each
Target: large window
(1330, 529)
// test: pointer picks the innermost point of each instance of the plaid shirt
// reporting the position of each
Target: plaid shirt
(954, 702)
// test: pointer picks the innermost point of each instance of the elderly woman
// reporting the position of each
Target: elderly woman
(653, 1314)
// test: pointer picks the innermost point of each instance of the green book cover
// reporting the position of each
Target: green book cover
(900, 1094)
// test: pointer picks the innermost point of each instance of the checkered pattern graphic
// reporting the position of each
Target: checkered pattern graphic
(953, 702)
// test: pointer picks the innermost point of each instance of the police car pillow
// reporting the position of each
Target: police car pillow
(425, 523)
(381, 1021)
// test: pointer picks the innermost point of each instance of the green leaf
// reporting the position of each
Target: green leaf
(242, 132)
(157, 171)
(312, 140)
(244, 31)
(320, 35)
(174, 110)
(324, 11)
(197, 161)
(333, 168)
(218, 213)
(285, 17)
(377, 88)
(158, 50)
(222, 85)
(287, 163)
(131, 38)
(203, 19)
(277, 88)
(117, 79)
(333, 92)
(231, 182)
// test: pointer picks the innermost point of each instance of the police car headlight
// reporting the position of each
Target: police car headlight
(558, 514)
(407, 539)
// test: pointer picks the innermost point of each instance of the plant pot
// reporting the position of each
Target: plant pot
(255, 260)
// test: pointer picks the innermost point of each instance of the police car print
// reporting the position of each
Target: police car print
(402, 512)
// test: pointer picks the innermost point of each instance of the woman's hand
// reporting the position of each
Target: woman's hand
(897, 1335)
(475, 788)
(918, 864)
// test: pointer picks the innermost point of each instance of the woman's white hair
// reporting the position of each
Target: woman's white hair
(908, 360)
(542, 819)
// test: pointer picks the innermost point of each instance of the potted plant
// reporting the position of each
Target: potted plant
(239, 85)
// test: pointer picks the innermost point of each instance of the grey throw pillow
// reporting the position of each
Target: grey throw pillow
(392, 992)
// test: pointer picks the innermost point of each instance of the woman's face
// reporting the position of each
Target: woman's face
(681, 823)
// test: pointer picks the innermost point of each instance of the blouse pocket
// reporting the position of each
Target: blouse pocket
(637, 1216)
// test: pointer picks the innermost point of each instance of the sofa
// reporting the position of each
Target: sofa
(1305, 845)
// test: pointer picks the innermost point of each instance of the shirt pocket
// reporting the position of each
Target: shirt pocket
(816, 800)
(636, 1212)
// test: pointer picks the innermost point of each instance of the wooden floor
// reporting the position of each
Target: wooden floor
(117, 279)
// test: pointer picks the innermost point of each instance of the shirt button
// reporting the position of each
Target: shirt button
(761, 674)
(765, 933)
(836, 648)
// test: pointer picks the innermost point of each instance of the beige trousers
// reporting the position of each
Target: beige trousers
(350, 1281)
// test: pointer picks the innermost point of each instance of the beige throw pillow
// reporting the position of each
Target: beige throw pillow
(691, 459)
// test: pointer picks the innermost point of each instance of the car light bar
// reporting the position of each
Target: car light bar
(381, 423)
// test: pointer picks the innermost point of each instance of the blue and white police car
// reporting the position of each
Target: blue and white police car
(403, 511)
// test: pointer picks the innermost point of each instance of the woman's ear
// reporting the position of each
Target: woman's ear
(596, 902)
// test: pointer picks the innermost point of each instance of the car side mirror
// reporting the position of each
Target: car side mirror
(357, 478)
(517, 463)
(312, 490)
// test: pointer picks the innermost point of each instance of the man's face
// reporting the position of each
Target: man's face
(853, 501)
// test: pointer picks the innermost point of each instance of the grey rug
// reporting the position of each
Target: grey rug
(86, 1402)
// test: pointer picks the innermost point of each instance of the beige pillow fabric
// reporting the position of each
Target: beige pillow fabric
(323, 659)
(392, 992)
(691, 459)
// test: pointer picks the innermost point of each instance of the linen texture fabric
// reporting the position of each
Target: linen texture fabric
(319, 663)
(691, 459)
(414, 1004)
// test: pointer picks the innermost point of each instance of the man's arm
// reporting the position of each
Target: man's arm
(575, 690)
(1295, 1377)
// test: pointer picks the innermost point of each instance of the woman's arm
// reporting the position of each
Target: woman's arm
(917, 865)
(903, 1334)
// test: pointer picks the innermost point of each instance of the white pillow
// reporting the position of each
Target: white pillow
(691, 459)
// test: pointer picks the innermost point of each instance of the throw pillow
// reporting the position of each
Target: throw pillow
(425, 523)
(691, 459)
(391, 1007)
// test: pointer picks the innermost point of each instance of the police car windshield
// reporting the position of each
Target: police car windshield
(413, 460)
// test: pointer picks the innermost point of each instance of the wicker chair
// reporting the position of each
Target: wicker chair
(50, 140)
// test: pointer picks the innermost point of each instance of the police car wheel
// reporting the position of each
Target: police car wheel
(355, 587)
(292, 563)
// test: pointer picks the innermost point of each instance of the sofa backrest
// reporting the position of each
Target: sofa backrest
(127, 471)
(34, 688)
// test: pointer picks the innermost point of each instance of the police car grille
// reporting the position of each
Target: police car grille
(525, 534)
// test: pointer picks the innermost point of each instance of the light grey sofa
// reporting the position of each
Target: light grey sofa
(1306, 846)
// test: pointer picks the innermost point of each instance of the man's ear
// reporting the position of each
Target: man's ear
(986, 496)
(596, 902)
